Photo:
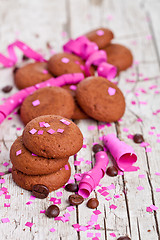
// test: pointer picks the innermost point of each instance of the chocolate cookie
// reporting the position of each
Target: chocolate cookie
(52, 136)
(45, 101)
(31, 164)
(31, 74)
(101, 36)
(52, 181)
(78, 113)
(101, 99)
(62, 63)
(119, 56)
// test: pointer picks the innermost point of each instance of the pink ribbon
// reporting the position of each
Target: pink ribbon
(123, 153)
(12, 59)
(92, 178)
(89, 51)
(16, 99)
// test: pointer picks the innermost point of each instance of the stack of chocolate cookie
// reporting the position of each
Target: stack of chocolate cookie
(40, 155)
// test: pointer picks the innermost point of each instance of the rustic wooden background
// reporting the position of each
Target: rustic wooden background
(44, 24)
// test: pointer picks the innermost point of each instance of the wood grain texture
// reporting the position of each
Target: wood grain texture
(51, 23)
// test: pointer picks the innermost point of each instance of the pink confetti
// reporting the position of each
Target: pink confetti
(97, 212)
(45, 71)
(29, 224)
(32, 197)
(33, 131)
(150, 133)
(40, 132)
(139, 120)
(89, 234)
(2, 173)
(59, 194)
(100, 32)
(65, 122)
(112, 186)
(140, 188)
(141, 176)
(46, 125)
(105, 193)
(148, 149)
(6, 204)
(143, 102)
(113, 206)
(88, 162)
(112, 234)
(77, 163)
(52, 230)
(41, 124)
(157, 189)
(148, 209)
(70, 208)
(153, 207)
(98, 235)
(7, 196)
(5, 220)
(84, 146)
(97, 227)
(91, 127)
(60, 130)
(65, 60)
(51, 131)
(18, 152)
(125, 129)
(35, 103)
(117, 196)
(5, 164)
(18, 129)
(42, 211)
(29, 202)
(66, 167)
(130, 136)
(149, 37)
(108, 198)
(144, 144)
(133, 102)
(111, 91)
(73, 87)
(2, 180)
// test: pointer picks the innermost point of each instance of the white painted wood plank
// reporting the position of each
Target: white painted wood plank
(130, 26)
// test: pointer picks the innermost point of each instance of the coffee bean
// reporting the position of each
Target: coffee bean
(52, 211)
(75, 199)
(7, 89)
(40, 191)
(112, 171)
(124, 238)
(92, 203)
(15, 70)
(71, 187)
(138, 138)
(97, 148)
(25, 58)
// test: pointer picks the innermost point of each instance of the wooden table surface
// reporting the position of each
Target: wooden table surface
(136, 25)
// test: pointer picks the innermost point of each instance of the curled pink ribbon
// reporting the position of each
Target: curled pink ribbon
(12, 59)
(16, 99)
(89, 51)
(92, 178)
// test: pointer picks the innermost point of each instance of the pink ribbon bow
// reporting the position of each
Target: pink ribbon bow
(89, 51)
